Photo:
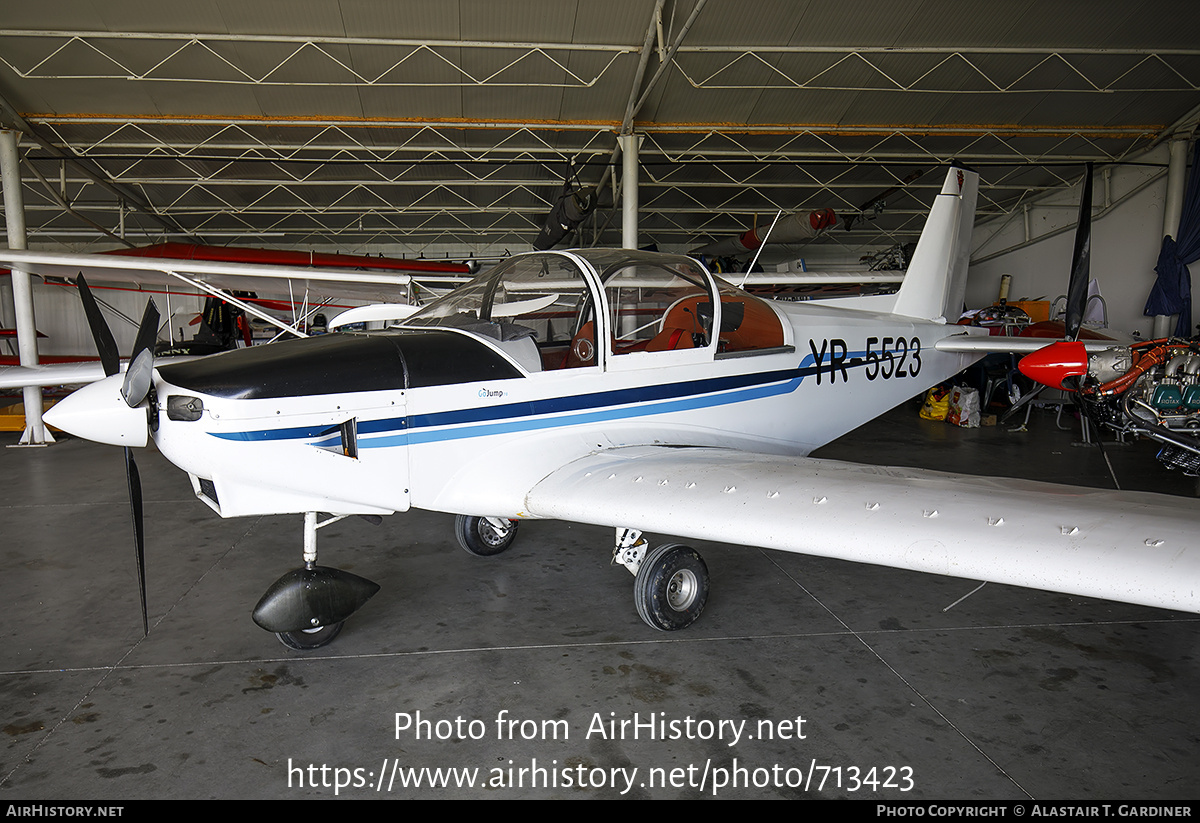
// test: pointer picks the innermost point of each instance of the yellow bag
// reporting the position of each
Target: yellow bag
(937, 404)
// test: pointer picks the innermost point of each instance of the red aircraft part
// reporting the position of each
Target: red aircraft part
(1055, 363)
(279, 257)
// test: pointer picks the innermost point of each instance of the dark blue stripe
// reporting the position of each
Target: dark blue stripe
(557, 405)
(617, 397)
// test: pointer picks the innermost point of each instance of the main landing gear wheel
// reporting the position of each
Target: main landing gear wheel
(671, 587)
(307, 639)
(483, 536)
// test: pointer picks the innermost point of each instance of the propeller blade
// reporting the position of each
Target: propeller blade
(1023, 401)
(135, 508)
(140, 374)
(148, 330)
(106, 346)
(1085, 409)
(1080, 260)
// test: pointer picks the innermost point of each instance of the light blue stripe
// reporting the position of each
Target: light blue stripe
(688, 404)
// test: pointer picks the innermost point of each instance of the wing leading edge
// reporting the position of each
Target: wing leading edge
(1126, 546)
(263, 278)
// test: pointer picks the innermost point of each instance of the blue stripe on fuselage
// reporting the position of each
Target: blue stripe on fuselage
(567, 411)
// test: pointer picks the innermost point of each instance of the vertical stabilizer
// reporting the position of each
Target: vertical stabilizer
(936, 280)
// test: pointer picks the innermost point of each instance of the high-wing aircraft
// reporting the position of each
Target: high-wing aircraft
(307, 281)
(636, 391)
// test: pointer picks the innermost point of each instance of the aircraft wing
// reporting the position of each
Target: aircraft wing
(316, 285)
(67, 374)
(815, 278)
(51, 374)
(1126, 546)
(282, 280)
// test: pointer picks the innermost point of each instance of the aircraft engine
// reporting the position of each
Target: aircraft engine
(1149, 389)
(1166, 398)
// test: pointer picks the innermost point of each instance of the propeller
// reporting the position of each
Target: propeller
(1022, 401)
(135, 389)
(1065, 364)
(1062, 365)
(1081, 259)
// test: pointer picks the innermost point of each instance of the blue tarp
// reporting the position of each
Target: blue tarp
(1172, 291)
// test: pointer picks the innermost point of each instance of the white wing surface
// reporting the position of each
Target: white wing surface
(281, 280)
(65, 374)
(1126, 546)
(52, 374)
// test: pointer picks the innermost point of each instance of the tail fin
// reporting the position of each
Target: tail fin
(936, 280)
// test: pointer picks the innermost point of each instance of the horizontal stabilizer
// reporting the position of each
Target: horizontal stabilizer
(983, 344)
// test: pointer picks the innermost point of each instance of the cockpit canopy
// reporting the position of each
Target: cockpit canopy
(564, 310)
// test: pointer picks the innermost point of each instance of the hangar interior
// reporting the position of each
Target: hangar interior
(446, 130)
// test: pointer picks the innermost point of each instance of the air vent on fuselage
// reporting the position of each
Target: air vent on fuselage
(209, 490)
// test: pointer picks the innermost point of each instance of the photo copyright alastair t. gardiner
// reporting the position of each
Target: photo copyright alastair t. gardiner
(710, 776)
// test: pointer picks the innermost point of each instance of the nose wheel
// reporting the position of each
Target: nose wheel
(307, 607)
(307, 639)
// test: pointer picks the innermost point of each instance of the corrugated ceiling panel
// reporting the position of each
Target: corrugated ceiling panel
(412, 102)
(613, 21)
(768, 22)
(303, 17)
(854, 22)
(550, 21)
(412, 19)
(519, 104)
(301, 101)
(943, 23)
(150, 15)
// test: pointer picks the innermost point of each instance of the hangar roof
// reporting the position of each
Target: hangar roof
(449, 125)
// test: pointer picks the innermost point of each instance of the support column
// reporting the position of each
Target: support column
(1172, 212)
(22, 288)
(629, 189)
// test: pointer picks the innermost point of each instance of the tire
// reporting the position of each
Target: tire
(308, 639)
(671, 587)
(481, 538)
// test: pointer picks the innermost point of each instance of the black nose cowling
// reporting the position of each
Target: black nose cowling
(341, 363)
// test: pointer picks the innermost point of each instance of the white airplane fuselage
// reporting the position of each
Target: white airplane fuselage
(477, 445)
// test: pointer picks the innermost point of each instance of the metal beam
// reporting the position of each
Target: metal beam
(629, 190)
(22, 288)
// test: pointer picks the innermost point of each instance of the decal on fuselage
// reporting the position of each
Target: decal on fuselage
(886, 358)
(837, 359)
(895, 357)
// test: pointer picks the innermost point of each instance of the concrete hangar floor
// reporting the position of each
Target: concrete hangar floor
(531, 674)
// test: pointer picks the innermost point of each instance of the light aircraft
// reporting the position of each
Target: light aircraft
(799, 228)
(637, 391)
(305, 280)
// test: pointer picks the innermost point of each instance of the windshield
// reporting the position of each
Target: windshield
(533, 307)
